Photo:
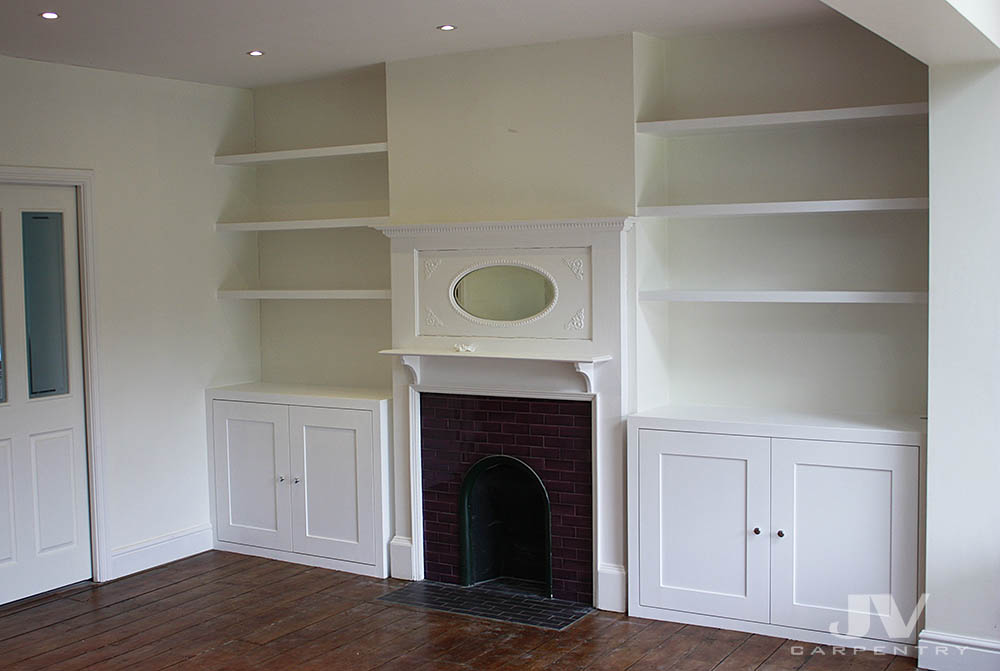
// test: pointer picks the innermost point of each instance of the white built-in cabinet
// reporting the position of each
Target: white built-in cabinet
(771, 533)
(301, 473)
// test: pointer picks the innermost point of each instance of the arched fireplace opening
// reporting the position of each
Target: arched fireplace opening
(505, 527)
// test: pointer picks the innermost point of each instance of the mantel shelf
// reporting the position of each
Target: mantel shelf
(261, 157)
(786, 207)
(301, 224)
(584, 365)
(781, 120)
(726, 296)
(516, 356)
(305, 294)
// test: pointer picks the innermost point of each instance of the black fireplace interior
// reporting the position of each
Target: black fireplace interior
(505, 524)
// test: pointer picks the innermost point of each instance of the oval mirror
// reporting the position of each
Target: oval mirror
(504, 293)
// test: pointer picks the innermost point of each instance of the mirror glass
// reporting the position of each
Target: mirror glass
(504, 293)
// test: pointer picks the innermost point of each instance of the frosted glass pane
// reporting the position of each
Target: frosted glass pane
(45, 303)
(3, 351)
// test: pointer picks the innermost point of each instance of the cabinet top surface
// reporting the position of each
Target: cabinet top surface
(896, 429)
(275, 391)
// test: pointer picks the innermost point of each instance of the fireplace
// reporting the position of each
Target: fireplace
(507, 491)
(551, 389)
(505, 524)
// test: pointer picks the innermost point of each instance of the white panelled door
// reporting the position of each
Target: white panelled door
(44, 504)
(704, 514)
(847, 518)
(333, 498)
(251, 474)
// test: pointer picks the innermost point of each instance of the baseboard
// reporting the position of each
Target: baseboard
(612, 588)
(802, 638)
(950, 652)
(163, 549)
(402, 564)
(370, 570)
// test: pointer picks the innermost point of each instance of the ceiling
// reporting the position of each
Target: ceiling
(207, 40)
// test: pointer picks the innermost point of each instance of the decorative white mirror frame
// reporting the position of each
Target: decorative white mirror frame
(495, 263)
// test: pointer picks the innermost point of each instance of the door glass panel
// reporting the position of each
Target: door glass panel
(3, 352)
(45, 303)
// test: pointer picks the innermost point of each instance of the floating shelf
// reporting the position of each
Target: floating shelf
(786, 207)
(306, 294)
(297, 154)
(301, 224)
(869, 297)
(781, 120)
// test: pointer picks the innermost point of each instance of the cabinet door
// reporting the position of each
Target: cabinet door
(333, 484)
(847, 513)
(251, 469)
(703, 523)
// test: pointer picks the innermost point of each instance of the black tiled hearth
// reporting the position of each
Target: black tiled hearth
(503, 599)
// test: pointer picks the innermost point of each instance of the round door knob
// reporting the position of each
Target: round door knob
(756, 531)
(781, 534)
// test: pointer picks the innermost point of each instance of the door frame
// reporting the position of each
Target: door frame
(83, 181)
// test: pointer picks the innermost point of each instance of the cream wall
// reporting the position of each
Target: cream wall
(163, 335)
(813, 358)
(535, 132)
(963, 513)
(324, 342)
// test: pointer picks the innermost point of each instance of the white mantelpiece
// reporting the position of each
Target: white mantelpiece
(578, 351)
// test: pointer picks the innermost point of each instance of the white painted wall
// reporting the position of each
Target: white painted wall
(163, 335)
(810, 358)
(535, 132)
(324, 342)
(963, 512)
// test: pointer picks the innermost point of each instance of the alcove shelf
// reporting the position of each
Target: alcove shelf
(782, 120)
(305, 294)
(830, 297)
(301, 224)
(785, 207)
(258, 158)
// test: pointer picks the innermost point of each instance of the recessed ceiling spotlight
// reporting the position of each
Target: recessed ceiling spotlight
(255, 52)
(49, 15)
(446, 27)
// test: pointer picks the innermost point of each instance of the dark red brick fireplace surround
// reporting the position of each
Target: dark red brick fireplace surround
(551, 436)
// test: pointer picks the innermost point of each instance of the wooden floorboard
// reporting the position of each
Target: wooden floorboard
(227, 612)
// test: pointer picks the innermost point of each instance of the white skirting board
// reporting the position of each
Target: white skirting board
(805, 637)
(612, 588)
(950, 652)
(161, 550)
(401, 559)
(303, 559)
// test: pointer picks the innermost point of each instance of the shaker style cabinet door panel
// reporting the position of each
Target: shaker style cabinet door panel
(251, 474)
(333, 483)
(704, 523)
(847, 518)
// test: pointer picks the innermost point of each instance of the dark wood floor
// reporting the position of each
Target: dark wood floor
(225, 611)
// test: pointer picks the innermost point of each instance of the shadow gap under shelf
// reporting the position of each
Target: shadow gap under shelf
(844, 116)
(816, 297)
(779, 207)
(263, 157)
(305, 294)
(302, 224)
